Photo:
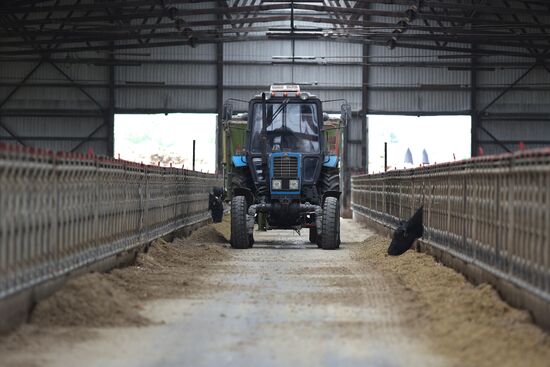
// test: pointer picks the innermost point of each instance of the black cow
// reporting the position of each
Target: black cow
(407, 232)
(215, 204)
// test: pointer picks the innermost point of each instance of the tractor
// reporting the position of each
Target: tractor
(281, 166)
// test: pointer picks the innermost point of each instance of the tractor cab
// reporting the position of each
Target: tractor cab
(292, 123)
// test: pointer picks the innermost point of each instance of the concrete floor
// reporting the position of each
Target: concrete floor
(282, 303)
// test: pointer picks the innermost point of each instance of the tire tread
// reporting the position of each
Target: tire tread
(239, 234)
(331, 228)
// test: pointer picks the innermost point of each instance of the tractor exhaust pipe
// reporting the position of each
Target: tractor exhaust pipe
(263, 135)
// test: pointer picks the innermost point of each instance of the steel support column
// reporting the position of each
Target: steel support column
(345, 174)
(219, 104)
(473, 106)
(110, 110)
(365, 111)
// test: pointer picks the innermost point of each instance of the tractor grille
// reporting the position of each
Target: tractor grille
(285, 167)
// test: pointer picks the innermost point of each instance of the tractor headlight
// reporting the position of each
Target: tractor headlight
(293, 184)
(276, 184)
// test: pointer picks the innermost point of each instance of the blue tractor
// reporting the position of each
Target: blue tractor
(283, 176)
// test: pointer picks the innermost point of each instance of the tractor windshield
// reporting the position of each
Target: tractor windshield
(291, 127)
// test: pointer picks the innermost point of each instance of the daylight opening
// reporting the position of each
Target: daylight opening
(413, 141)
(167, 139)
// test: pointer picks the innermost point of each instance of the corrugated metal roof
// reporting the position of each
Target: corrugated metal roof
(419, 102)
(182, 100)
(417, 77)
(519, 130)
(178, 53)
(189, 74)
(353, 97)
(184, 78)
(44, 127)
(256, 50)
(322, 75)
(324, 80)
(518, 101)
(425, 88)
(58, 98)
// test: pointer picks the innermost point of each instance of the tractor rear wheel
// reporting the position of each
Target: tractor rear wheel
(241, 179)
(239, 233)
(329, 180)
(330, 238)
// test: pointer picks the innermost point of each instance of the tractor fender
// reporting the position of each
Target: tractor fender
(247, 193)
(331, 161)
(333, 194)
(239, 161)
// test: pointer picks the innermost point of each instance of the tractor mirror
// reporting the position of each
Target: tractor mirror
(227, 113)
(345, 116)
(326, 117)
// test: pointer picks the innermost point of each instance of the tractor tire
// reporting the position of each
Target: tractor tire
(313, 235)
(329, 180)
(330, 238)
(239, 233)
(241, 179)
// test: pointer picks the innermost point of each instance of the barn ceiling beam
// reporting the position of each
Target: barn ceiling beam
(372, 30)
(172, 12)
(388, 39)
(479, 8)
(540, 9)
(125, 28)
(372, 25)
(399, 44)
(408, 13)
(535, 40)
(167, 12)
(43, 26)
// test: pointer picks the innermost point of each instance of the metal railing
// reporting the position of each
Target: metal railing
(492, 211)
(60, 212)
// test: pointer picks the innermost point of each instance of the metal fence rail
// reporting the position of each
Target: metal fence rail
(493, 212)
(61, 212)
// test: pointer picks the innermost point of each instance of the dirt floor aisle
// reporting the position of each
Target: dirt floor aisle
(282, 303)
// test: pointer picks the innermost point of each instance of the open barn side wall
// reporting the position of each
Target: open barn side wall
(65, 213)
(488, 217)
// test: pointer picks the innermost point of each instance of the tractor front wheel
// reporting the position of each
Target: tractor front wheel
(330, 237)
(239, 233)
